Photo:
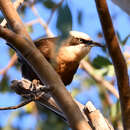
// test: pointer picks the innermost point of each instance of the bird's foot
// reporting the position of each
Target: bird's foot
(36, 88)
(34, 85)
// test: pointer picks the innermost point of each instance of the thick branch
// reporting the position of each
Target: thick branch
(22, 87)
(41, 67)
(46, 73)
(96, 118)
(118, 60)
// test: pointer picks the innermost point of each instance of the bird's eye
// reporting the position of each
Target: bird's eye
(82, 40)
(87, 42)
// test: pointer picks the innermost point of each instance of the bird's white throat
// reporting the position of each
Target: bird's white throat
(74, 53)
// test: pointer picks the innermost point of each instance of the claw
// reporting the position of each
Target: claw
(35, 83)
(36, 88)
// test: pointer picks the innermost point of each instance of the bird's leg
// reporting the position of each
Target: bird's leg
(34, 85)
(36, 88)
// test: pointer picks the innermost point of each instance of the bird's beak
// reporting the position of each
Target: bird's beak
(97, 44)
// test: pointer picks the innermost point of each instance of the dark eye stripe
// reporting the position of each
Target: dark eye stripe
(89, 42)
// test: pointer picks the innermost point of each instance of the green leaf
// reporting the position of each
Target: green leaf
(29, 29)
(125, 40)
(49, 4)
(119, 37)
(100, 62)
(11, 53)
(122, 42)
(115, 111)
(4, 83)
(74, 92)
(111, 71)
(64, 20)
(80, 15)
(1, 18)
(88, 82)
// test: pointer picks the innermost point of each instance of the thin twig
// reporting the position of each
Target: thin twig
(27, 101)
(32, 22)
(100, 80)
(53, 11)
(13, 59)
(30, 98)
(10, 64)
(42, 22)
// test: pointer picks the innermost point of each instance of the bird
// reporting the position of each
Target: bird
(64, 60)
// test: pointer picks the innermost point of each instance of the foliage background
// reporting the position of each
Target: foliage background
(72, 15)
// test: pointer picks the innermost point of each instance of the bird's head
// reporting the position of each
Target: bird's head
(77, 38)
(78, 45)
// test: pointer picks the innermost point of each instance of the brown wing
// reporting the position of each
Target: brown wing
(46, 47)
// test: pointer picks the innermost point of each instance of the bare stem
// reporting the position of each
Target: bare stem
(10, 64)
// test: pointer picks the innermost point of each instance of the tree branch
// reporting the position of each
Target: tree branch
(13, 18)
(40, 66)
(53, 11)
(96, 118)
(88, 68)
(22, 87)
(59, 91)
(16, 4)
(118, 60)
(41, 21)
(17, 106)
(10, 64)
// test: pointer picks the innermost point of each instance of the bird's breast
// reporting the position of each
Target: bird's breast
(66, 70)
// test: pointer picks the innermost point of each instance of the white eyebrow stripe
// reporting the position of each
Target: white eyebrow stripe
(81, 35)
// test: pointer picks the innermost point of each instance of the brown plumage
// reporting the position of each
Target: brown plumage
(66, 60)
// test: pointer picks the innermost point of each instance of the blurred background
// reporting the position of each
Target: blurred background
(48, 18)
